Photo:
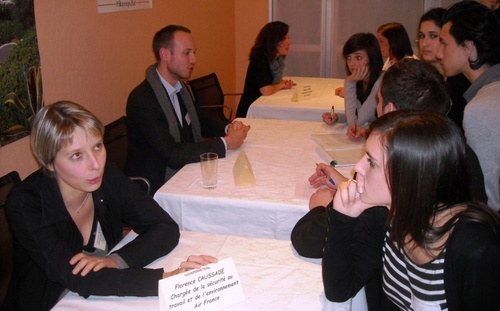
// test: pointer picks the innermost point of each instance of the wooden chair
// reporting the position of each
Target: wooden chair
(208, 95)
(6, 241)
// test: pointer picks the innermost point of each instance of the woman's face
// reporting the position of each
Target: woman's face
(283, 47)
(371, 170)
(357, 60)
(79, 166)
(428, 41)
(385, 48)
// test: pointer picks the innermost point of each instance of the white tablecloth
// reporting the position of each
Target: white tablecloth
(272, 275)
(282, 155)
(280, 104)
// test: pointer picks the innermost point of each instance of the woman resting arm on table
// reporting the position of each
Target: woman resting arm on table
(267, 62)
(69, 214)
(435, 248)
(364, 73)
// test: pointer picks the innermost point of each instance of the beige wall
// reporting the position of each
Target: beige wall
(96, 59)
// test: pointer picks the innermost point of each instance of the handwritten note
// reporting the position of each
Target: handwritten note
(211, 287)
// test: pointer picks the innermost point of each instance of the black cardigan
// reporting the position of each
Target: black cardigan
(46, 238)
(471, 271)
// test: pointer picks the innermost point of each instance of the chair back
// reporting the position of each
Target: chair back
(208, 94)
(116, 142)
(207, 90)
(6, 241)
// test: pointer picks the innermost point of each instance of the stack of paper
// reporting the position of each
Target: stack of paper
(338, 149)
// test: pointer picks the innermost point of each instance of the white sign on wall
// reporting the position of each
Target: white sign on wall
(107, 6)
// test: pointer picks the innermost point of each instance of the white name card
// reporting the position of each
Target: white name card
(242, 171)
(303, 92)
(211, 287)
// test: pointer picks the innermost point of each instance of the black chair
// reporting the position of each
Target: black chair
(208, 94)
(116, 142)
(6, 240)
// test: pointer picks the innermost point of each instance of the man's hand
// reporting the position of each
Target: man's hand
(236, 134)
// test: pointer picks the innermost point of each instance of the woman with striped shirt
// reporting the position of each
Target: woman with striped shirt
(407, 217)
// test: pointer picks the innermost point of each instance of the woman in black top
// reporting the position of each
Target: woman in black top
(69, 214)
(267, 62)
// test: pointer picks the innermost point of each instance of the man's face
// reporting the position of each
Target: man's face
(181, 58)
(454, 58)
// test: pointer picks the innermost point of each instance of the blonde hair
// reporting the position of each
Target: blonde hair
(54, 126)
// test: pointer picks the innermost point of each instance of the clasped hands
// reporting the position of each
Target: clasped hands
(236, 134)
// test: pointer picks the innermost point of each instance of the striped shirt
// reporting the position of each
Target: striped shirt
(411, 286)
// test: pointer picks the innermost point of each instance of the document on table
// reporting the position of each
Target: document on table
(336, 141)
(341, 157)
(338, 149)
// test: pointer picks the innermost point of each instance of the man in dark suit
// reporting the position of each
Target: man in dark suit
(166, 128)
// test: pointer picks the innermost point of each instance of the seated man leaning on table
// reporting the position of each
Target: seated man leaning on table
(166, 128)
(408, 85)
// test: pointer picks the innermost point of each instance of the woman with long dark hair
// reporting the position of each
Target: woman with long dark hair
(363, 62)
(436, 250)
(394, 43)
(267, 62)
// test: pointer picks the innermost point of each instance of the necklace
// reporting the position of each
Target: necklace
(83, 202)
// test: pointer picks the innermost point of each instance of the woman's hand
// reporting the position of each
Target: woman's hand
(84, 264)
(287, 84)
(322, 197)
(323, 174)
(330, 118)
(339, 91)
(192, 262)
(359, 74)
(355, 132)
(347, 200)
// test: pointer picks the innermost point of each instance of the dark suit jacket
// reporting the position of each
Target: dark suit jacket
(152, 148)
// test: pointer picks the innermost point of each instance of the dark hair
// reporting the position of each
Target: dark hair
(434, 15)
(399, 42)
(474, 22)
(425, 171)
(164, 38)
(369, 43)
(268, 39)
(411, 84)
